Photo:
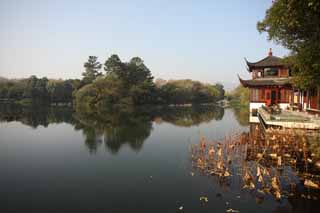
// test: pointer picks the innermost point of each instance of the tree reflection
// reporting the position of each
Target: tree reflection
(112, 127)
(190, 116)
(35, 115)
(93, 139)
(242, 115)
(133, 126)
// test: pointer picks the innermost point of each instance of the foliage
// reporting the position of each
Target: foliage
(60, 91)
(296, 25)
(105, 91)
(188, 91)
(114, 65)
(135, 76)
(123, 85)
(35, 89)
(239, 96)
(92, 67)
(131, 84)
(31, 88)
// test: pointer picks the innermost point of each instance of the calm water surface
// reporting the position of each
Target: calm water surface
(58, 160)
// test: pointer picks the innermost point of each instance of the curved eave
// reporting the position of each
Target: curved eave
(269, 60)
(243, 82)
(265, 83)
(249, 64)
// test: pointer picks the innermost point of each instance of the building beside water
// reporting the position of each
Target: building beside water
(270, 87)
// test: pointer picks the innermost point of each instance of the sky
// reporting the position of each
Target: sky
(204, 40)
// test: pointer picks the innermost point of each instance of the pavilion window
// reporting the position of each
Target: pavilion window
(270, 72)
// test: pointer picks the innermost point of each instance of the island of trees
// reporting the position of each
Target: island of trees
(111, 84)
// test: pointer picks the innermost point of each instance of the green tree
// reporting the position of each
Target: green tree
(188, 91)
(138, 72)
(113, 65)
(131, 83)
(103, 92)
(60, 91)
(221, 91)
(296, 25)
(136, 78)
(30, 87)
(239, 96)
(109, 91)
(140, 81)
(3, 92)
(92, 67)
(15, 91)
(35, 88)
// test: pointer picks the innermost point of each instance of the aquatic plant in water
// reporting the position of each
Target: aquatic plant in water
(274, 162)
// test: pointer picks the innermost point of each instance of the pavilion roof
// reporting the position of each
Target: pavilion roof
(269, 61)
(259, 82)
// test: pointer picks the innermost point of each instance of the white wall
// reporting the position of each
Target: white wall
(258, 105)
(284, 106)
(254, 119)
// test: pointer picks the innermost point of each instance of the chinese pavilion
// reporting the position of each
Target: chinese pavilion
(270, 83)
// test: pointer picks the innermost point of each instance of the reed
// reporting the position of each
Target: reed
(272, 163)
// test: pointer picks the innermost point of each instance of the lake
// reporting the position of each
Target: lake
(60, 160)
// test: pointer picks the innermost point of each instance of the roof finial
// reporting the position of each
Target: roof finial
(270, 52)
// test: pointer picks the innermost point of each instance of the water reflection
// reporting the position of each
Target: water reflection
(242, 115)
(190, 116)
(113, 129)
(35, 115)
(133, 127)
(35, 162)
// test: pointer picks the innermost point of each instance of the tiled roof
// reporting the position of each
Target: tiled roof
(269, 61)
(265, 82)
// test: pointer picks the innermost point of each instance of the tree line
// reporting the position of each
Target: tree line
(35, 89)
(113, 83)
(131, 83)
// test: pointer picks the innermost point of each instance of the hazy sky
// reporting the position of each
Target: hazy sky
(204, 40)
